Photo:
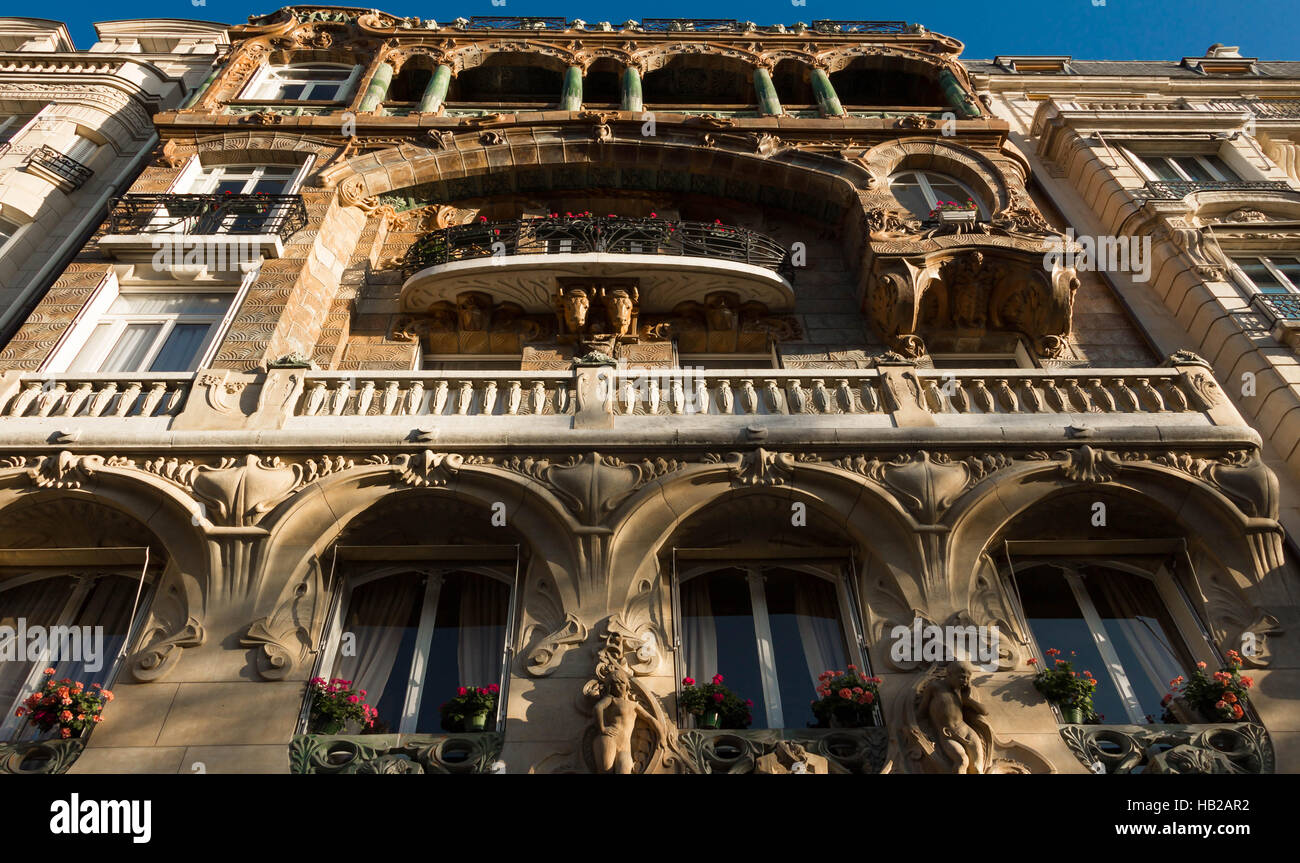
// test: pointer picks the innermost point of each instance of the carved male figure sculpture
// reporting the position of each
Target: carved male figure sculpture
(616, 715)
(948, 702)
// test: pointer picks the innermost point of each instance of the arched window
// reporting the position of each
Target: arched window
(770, 629)
(305, 82)
(411, 636)
(82, 619)
(919, 192)
(1119, 623)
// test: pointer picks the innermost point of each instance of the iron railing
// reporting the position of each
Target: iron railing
(491, 22)
(281, 215)
(1173, 190)
(1279, 307)
(690, 25)
(69, 170)
(829, 26)
(608, 234)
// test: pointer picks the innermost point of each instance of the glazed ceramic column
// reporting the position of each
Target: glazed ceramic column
(201, 89)
(377, 89)
(961, 101)
(631, 89)
(436, 91)
(768, 103)
(571, 96)
(827, 99)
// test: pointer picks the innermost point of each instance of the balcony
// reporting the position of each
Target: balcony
(520, 261)
(1176, 190)
(1278, 307)
(246, 226)
(66, 173)
(96, 396)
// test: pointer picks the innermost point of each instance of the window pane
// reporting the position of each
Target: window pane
(468, 646)
(322, 91)
(39, 603)
(287, 91)
(181, 350)
(1193, 169)
(92, 349)
(107, 605)
(383, 616)
(807, 639)
(1260, 275)
(132, 347)
(1290, 268)
(907, 191)
(1222, 167)
(718, 635)
(1161, 168)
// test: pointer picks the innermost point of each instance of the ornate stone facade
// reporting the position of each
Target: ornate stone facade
(514, 342)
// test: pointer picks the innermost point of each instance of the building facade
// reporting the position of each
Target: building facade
(580, 363)
(75, 129)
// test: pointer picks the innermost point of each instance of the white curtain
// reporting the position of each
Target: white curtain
(699, 629)
(107, 606)
(38, 603)
(819, 625)
(377, 618)
(483, 605)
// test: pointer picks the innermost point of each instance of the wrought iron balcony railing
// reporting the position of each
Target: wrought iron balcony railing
(1278, 307)
(70, 173)
(281, 215)
(607, 234)
(1173, 190)
(491, 22)
(690, 25)
(829, 26)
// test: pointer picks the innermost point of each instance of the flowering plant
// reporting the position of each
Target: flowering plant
(70, 706)
(469, 709)
(1220, 695)
(1063, 686)
(949, 206)
(336, 703)
(714, 704)
(848, 698)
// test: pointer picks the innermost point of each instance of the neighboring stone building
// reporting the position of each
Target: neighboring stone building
(576, 360)
(75, 130)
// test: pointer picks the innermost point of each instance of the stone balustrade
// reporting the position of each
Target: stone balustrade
(427, 394)
(97, 396)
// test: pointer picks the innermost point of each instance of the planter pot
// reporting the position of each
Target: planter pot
(1072, 715)
(710, 719)
(950, 216)
(334, 726)
(477, 722)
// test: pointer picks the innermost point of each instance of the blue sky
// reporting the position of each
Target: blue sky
(1118, 30)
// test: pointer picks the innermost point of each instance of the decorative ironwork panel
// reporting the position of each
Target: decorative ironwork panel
(73, 174)
(848, 750)
(1279, 307)
(690, 25)
(831, 26)
(1173, 190)
(281, 215)
(491, 22)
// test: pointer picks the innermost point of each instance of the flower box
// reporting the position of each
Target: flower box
(948, 217)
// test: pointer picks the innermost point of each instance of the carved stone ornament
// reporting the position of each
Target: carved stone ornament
(945, 729)
(240, 491)
(396, 753)
(630, 731)
(786, 751)
(48, 757)
(757, 467)
(1239, 748)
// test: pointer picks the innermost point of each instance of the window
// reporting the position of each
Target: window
(95, 600)
(82, 149)
(420, 634)
(314, 82)
(8, 228)
(770, 630)
(243, 180)
(1275, 274)
(1195, 168)
(470, 363)
(919, 192)
(1117, 624)
(154, 332)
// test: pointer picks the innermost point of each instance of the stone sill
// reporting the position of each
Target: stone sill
(1226, 747)
(395, 753)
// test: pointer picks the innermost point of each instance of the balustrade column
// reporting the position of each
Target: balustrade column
(571, 96)
(827, 99)
(436, 91)
(962, 102)
(631, 89)
(768, 103)
(377, 88)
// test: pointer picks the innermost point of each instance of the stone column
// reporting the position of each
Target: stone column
(201, 89)
(377, 89)
(436, 91)
(960, 101)
(571, 96)
(827, 99)
(631, 89)
(768, 103)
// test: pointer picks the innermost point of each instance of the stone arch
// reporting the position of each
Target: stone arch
(292, 610)
(974, 169)
(889, 558)
(651, 58)
(476, 54)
